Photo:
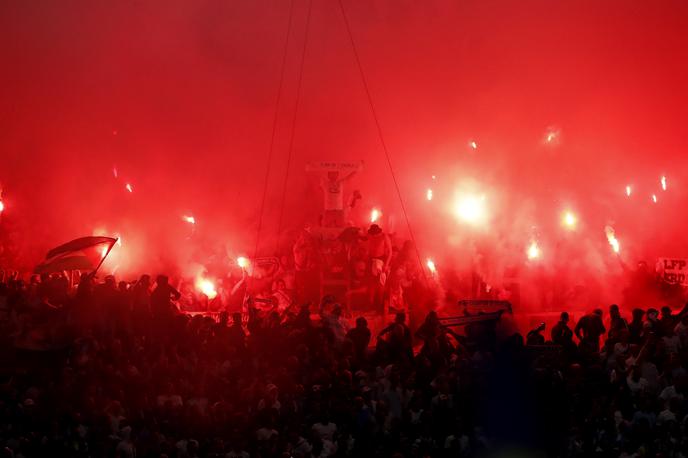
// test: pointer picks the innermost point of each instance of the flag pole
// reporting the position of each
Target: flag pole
(93, 274)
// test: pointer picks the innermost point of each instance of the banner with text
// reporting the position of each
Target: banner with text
(673, 270)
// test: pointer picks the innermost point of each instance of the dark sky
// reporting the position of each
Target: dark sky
(189, 88)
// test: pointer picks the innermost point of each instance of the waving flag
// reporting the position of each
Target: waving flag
(85, 253)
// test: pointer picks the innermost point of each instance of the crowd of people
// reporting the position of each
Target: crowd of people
(129, 375)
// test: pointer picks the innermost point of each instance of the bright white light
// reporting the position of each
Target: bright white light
(189, 219)
(206, 287)
(2, 206)
(375, 215)
(628, 190)
(552, 136)
(569, 220)
(471, 209)
(431, 266)
(129, 187)
(611, 238)
(473, 144)
(654, 198)
(114, 172)
(664, 183)
(533, 250)
(428, 194)
(243, 262)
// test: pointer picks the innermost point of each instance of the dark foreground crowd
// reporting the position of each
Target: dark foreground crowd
(129, 376)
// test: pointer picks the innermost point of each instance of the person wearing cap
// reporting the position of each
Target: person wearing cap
(379, 255)
(589, 329)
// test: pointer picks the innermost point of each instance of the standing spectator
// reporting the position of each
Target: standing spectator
(589, 329)
(360, 337)
(561, 333)
(635, 328)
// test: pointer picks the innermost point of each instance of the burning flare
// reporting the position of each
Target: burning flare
(428, 194)
(654, 198)
(243, 262)
(611, 238)
(206, 287)
(664, 184)
(375, 215)
(533, 250)
(569, 220)
(431, 266)
(189, 219)
(2, 206)
(129, 187)
(628, 190)
(470, 209)
(473, 144)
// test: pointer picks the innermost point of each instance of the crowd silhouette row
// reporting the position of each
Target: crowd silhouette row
(122, 373)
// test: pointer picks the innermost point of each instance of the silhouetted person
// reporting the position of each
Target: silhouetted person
(635, 328)
(399, 338)
(617, 323)
(141, 294)
(535, 337)
(589, 329)
(360, 337)
(162, 297)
